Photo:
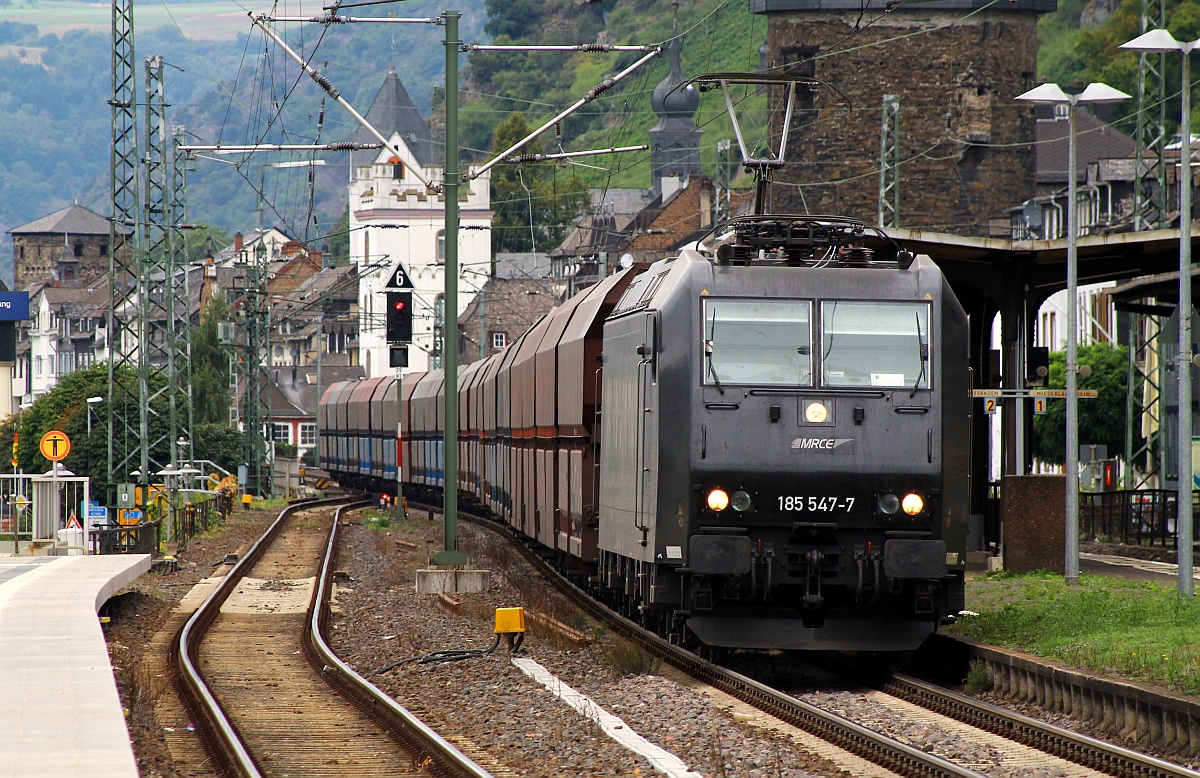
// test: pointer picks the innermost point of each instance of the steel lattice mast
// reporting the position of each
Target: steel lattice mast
(181, 267)
(254, 366)
(155, 350)
(889, 163)
(124, 449)
(1150, 185)
(1142, 421)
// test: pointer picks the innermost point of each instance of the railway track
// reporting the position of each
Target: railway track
(1081, 749)
(1055, 742)
(269, 696)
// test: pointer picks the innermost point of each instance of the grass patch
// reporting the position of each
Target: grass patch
(377, 520)
(629, 659)
(1136, 629)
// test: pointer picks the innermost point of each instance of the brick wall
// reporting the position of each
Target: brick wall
(956, 80)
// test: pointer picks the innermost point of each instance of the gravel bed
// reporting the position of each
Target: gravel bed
(985, 753)
(509, 723)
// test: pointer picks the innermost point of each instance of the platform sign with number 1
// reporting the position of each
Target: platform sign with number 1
(1039, 405)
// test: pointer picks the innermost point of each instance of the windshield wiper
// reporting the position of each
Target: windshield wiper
(922, 355)
(708, 351)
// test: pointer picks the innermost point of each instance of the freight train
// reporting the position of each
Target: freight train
(758, 443)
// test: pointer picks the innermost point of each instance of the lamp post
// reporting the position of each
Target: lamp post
(90, 402)
(1161, 41)
(1053, 94)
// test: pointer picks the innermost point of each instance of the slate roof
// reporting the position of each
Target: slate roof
(1093, 141)
(72, 220)
(394, 111)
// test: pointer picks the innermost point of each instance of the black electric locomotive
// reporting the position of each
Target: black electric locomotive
(785, 459)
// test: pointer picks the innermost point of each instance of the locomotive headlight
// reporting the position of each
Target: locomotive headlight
(741, 501)
(816, 413)
(912, 504)
(718, 500)
(889, 504)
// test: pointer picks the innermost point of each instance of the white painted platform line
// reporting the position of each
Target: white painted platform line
(662, 760)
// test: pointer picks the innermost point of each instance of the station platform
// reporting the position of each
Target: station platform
(59, 710)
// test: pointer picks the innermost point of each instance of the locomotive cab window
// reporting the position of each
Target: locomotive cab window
(759, 342)
(875, 344)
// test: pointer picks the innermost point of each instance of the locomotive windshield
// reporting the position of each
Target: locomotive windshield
(875, 344)
(758, 342)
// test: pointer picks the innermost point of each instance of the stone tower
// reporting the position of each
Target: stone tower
(674, 140)
(966, 145)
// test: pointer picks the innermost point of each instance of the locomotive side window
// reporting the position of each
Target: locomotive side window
(761, 342)
(875, 344)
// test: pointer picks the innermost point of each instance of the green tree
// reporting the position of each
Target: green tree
(339, 242)
(1103, 59)
(221, 444)
(210, 367)
(204, 240)
(533, 207)
(1101, 420)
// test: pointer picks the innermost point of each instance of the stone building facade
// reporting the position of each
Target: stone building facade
(68, 246)
(966, 145)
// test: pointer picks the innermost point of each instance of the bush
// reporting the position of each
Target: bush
(978, 679)
(630, 659)
(285, 450)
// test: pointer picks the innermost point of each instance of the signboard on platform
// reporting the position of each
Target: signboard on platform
(55, 446)
(14, 306)
(127, 516)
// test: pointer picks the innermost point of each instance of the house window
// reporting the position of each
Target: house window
(499, 339)
(281, 432)
(37, 366)
(104, 249)
(308, 434)
(398, 170)
(78, 248)
(441, 247)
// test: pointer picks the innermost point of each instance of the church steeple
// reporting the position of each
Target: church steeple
(393, 111)
(674, 140)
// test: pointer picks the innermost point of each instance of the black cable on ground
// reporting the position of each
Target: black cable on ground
(449, 655)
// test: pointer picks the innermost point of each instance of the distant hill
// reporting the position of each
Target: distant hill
(55, 119)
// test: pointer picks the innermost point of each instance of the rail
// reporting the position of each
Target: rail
(411, 731)
(215, 728)
(898, 757)
(219, 732)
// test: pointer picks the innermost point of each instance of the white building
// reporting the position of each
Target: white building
(394, 219)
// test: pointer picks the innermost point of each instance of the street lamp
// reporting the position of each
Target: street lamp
(1158, 42)
(1053, 94)
(90, 402)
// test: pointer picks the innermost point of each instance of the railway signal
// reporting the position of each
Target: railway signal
(399, 321)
